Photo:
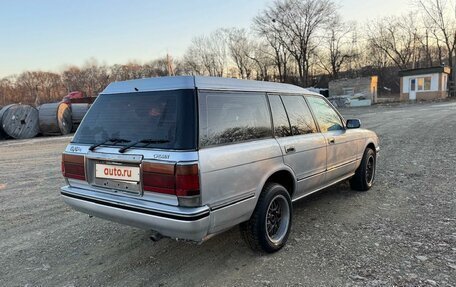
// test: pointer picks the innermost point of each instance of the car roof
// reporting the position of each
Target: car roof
(201, 83)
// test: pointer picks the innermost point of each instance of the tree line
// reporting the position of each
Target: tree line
(304, 42)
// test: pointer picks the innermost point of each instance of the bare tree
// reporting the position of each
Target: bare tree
(207, 55)
(29, 83)
(241, 50)
(264, 28)
(159, 67)
(296, 25)
(192, 62)
(336, 48)
(377, 58)
(51, 87)
(128, 71)
(359, 54)
(432, 50)
(263, 58)
(7, 91)
(73, 79)
(91, 79)
(441, 14)
(39, 87)
(96, 77)
(397, 37)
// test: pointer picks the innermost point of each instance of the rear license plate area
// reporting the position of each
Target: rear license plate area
(117, 176)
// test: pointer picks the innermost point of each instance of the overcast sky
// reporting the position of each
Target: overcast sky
(50, 34)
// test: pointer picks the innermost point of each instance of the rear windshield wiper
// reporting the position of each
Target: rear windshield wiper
(146, 142)
(112, 140)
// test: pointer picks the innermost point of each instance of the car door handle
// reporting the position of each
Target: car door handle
(331, 141)
(289, 149)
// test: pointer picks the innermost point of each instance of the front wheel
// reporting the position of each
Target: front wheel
(365, 174)
(270, 224)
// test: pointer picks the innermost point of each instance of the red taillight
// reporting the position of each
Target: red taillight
(73, 166)
(181, 180)
(187, 180)
(158, 177)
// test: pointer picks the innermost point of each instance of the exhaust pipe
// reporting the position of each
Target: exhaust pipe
(156, 236)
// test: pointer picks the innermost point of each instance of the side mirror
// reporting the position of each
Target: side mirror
(353, 124)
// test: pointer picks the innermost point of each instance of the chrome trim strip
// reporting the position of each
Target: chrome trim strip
(115, 157)
(238, 165)
(310, 176)
(323, 187)
(341, 165)
(232, 201)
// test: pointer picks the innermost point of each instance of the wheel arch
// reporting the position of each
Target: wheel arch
(370, 144)
(283, 176)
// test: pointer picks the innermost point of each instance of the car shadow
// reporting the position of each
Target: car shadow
(226, 252)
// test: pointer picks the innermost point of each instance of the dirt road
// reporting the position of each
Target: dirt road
(402, 232)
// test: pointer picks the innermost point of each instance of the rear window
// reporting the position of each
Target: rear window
(167, 116)
(233, 117)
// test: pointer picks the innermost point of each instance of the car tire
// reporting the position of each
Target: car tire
(269, 226)
(365, 174)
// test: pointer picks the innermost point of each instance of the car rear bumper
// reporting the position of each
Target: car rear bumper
(172, 221)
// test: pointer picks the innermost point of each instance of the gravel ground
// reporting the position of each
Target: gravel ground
(400, 233)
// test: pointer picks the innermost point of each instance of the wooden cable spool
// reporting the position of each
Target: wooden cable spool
(55, 119)
(78, 112)
(19, 121)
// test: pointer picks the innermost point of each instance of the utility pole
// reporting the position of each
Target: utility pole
(169, 62)
(453, 79)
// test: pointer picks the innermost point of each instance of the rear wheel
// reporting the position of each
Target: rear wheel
(269, 227)
(365, 174)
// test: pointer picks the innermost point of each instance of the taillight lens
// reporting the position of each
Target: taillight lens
(181, 180)
(73, 166)
(158, 177)
(187, 180)
(187, 185)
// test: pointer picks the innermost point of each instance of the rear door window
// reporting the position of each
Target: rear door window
(328, 119)
(232, 117)
(299, 114)
(279, 117)
(167, 116)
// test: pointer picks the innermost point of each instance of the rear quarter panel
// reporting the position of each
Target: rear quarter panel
(233, 173)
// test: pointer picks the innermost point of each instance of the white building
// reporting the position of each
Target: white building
(424, 84)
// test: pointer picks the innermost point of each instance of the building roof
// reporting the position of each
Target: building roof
(424, 71)
(202, 83)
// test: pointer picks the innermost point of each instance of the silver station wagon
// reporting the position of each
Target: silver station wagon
(190, 157)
